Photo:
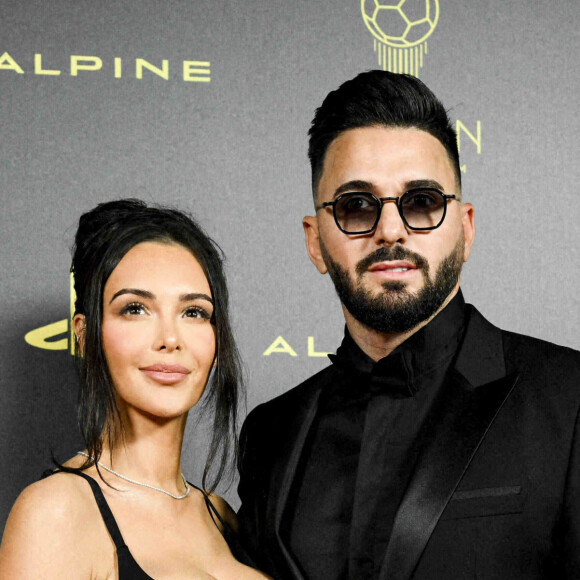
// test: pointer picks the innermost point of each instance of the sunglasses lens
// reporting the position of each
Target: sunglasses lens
(423, 208)
(356, 212)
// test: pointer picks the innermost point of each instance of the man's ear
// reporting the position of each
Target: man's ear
(467, 219)
(310, 225)
(79, 327)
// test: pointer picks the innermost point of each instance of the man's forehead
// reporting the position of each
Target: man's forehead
(379, 154)
(366, 139)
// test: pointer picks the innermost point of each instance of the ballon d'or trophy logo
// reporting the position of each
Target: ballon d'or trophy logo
(401, 29)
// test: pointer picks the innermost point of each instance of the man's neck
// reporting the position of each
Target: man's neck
(378, 345)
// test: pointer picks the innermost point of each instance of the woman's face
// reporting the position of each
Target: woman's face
(157, 335)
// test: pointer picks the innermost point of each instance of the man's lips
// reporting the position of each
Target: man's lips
(395, 258)
(165, 374)
(394, 268)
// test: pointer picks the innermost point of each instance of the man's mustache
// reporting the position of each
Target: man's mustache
(392, 254)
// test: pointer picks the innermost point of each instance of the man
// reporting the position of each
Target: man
(435, 446)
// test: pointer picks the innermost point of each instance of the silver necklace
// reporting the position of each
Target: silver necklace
(187, 488)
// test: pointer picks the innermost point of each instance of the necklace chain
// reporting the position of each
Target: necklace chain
(187, 487)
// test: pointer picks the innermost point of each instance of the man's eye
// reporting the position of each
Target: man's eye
(422, 201)
(356, 203)
(133, 309)
(197, 312)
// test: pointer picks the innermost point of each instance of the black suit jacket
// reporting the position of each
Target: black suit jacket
(495, 493)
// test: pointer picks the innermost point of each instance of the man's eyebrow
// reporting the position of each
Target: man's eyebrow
(136, 291)
(420, 183)
(149, 295)
(355, 185)
(361, 185)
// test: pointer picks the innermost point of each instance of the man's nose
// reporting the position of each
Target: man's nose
(391, 228)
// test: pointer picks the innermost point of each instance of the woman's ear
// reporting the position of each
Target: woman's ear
(79, 327)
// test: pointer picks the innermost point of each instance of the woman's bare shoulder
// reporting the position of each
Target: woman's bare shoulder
(46, 520)
(60, 497)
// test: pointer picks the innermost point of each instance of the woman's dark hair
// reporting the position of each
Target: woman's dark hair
(105, 234)
(379, 98)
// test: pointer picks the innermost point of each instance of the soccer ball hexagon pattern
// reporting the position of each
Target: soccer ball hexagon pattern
(400, 23)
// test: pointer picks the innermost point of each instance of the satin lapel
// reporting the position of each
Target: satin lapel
(468, 406)
(287, 463)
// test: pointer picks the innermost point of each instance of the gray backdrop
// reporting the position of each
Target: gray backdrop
(229, 144)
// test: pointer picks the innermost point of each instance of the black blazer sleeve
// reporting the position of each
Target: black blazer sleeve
(570, 531)
(251, 489)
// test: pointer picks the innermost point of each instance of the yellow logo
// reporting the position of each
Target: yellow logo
(50, 337)
(195, 71)
(401, 29)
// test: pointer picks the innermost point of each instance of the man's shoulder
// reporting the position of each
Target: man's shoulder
(538, 346)
(542, 362)
(270, 423)
(529, 348)
(540, 354)
(284, 405)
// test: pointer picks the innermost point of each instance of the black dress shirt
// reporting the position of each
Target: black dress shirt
(362, 447)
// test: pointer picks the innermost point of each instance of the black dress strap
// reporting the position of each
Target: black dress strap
(213, 512)
(105, 510)
(128, 567)
(239, 551)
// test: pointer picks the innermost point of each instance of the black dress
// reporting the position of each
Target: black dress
(129, 569)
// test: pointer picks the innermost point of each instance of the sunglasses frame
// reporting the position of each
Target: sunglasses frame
(379, 203)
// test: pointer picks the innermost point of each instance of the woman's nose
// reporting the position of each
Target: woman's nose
(168, 336)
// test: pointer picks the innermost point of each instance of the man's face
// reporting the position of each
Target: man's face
(393, 278)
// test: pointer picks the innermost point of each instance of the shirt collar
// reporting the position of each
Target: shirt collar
(403, 369)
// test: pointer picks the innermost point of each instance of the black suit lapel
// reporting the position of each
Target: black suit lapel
(468, 406)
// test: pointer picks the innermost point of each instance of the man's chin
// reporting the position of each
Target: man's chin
(387, 287)
(395, 286)
(395, 305)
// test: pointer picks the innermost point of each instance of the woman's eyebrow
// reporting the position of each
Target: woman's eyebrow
(146, 294)
(136, 291)
(195, 296)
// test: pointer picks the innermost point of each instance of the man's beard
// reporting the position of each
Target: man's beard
(396, 309)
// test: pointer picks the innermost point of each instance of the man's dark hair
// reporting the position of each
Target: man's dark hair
(105, 234)
(379, 98)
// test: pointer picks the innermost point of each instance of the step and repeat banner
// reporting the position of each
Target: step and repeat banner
(205, 105)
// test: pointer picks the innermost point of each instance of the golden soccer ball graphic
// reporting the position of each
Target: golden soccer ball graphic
(400, 23)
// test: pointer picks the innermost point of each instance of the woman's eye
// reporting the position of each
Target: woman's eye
(133, 309)
(197, 312)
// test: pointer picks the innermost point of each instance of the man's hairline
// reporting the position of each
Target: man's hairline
(449, 157)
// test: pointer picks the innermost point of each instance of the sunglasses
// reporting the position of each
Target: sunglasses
(359, 212)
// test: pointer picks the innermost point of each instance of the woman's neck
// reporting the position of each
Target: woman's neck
(148, 450)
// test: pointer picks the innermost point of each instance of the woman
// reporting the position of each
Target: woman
(151, 324)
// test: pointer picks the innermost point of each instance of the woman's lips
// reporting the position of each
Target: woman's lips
(165, 374)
